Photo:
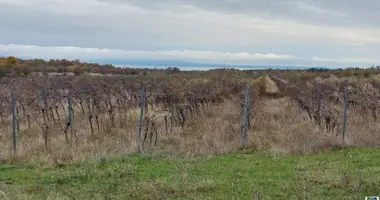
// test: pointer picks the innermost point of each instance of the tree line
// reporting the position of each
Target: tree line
(11, 66)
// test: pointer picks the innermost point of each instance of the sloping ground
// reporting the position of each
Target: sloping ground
(344, 174)
(270, 86)
(267, 87)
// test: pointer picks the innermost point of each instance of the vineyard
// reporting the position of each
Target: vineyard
(73, 118)
(325, 101)
(100, 116)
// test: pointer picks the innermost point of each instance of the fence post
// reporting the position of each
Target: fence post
(13, 121)
(70, 114)
(245, 118)
(142, 104)
(345, 114)
(43, 94)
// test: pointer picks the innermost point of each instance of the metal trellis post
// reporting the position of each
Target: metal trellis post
(13, 122)
(245, 118)
(142, 103)
(70, 114)
(345, 114)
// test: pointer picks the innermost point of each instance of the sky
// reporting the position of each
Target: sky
(336, 33)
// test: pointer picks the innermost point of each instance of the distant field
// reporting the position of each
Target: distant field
(349, 173)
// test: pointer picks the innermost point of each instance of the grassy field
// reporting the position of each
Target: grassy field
(348, 173)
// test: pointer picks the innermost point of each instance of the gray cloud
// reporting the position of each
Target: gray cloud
(337, 12)
(341, 30)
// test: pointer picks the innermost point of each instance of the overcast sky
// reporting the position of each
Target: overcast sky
(286, 32)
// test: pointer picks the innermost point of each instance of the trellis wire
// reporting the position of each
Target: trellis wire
(142, 103)
(13, 121)
(245, 118)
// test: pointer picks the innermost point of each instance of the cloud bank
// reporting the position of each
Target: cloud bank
(212, 57)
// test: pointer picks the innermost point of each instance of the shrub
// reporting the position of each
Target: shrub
(11, 60)
(76, 70)
(22, 69)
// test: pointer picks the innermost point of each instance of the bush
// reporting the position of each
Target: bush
(173, 70)
(367, 74)
(76, 70)
(11, 60)
(4, 71)
(22, 70)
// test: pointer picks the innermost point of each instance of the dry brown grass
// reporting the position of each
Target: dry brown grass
(82, 144)
(270, 86)
(281, 127)
(278, 126)
(267, 87)
(212, 133)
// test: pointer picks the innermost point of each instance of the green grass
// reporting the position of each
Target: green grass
(345, 174)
